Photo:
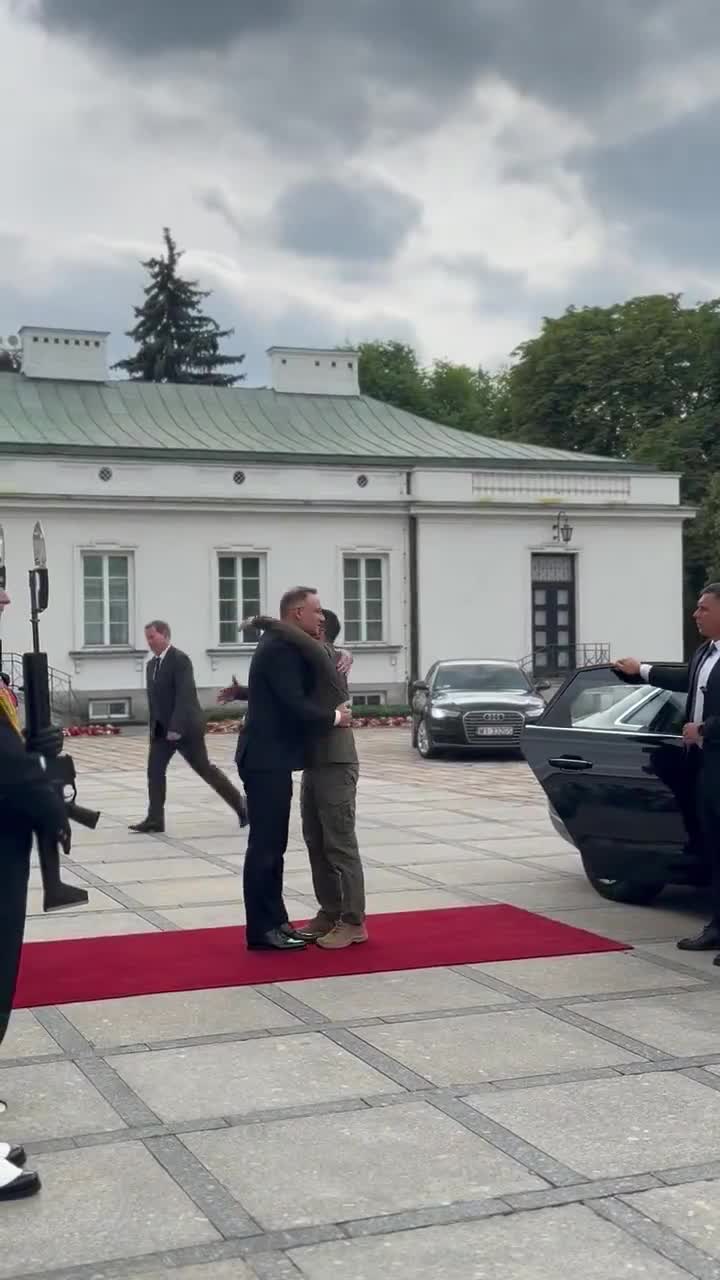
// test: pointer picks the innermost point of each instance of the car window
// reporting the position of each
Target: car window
(600, 699)
(477, 677)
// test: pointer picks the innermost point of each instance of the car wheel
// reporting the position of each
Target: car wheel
(634, 892)
(424, 741)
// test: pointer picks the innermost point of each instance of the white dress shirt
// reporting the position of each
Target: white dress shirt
(713, 654)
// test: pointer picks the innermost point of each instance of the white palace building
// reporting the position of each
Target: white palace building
(201, 505)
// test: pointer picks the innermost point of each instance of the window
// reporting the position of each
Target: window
(368, 699)
(363, 589)
(239, 596)
(106, 599)
(601, 700)
(116, 709)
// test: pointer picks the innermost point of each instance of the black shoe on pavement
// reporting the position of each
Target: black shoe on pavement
(15, 1184)
(708, 940)
(13, 1155)
(277, 940)
(148, 828)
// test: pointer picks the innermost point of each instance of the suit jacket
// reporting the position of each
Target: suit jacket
(684, 679)
(172, 697)
(283, 708)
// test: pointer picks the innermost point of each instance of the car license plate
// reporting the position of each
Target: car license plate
(496, 731)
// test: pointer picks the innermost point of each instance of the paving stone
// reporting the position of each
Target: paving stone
(97, 901)
(99, 1204)
(126, 851)
(492, 1046)
(253, 1075)
(481, 871)
(692, 1211)
(26, 1038)
(149, 869)
(188, 893)
(535, 1246)
(685, 1024)
(86, 924)
(175, 1015)
(53, 1100)
(609, 1128)
(414, 900)
(413, 853)
(702, 961)
(376, 1161)
(582, 975)
(381, 995)
(233, 1269)
(389, 836)
(628, 924)
(522, 842)
(223, 915)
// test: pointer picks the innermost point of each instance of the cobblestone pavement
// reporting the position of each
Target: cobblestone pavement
(515, 1121)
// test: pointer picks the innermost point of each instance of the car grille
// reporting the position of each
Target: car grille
(474, 720)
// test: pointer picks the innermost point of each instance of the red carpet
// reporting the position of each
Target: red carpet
(193, 959)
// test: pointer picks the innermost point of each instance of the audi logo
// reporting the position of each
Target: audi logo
(493, 715)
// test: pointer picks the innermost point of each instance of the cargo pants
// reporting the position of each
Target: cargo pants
(327, 807)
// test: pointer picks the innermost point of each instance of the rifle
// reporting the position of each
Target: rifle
(61, 775)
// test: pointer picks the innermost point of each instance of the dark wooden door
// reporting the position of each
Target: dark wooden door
(553, 614)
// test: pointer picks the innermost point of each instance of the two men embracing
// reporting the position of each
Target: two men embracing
(299, 718)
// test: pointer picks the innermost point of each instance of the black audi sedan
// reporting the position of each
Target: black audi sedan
(471, 705)
(619, 782)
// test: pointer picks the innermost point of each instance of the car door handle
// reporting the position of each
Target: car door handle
(572, 763)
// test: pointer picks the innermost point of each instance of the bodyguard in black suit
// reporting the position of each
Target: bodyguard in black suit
(282, 712)
(700, 680)
(177, 723)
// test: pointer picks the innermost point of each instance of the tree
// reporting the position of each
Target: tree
(452, 394)
(176, 341)
(639, 380)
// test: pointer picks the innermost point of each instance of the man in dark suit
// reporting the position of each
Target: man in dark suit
(176, 723)
(28, 806)
(283, 713)
(700, 680)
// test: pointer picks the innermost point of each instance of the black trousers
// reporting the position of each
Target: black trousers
(194, 752)
(708, 797)
(269, 798)
(15, 849)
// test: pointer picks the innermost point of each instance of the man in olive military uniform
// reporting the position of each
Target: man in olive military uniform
(28, 806)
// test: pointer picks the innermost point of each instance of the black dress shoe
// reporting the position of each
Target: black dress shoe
(148, 828)
(19, 1186)
(276, 940)
(13, 1155)
(708, 940)
(290, 932)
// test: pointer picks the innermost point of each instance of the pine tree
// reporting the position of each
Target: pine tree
(176, 341)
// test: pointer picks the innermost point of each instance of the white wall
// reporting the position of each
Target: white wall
(475, 585)
(175, 572)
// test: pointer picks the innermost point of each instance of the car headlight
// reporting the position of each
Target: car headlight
(534, 713)
(444, 713)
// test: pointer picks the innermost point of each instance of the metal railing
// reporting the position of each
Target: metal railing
(557, 661)
(64, 703)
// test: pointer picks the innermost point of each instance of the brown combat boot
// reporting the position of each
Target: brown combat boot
(343, 935)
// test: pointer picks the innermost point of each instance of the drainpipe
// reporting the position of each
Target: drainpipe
(413, 587)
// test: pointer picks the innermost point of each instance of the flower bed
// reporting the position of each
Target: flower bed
(91, 731)
(361, 722)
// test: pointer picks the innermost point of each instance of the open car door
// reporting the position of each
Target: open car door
(610, 759)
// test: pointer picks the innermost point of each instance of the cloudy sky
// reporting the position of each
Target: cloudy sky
(441, 171)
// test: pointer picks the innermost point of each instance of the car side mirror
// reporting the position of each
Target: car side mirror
(418, 686)
(543, 686)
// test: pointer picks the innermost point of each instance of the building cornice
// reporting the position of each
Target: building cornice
(481, 509)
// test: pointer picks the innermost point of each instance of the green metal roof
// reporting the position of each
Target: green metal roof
(144, 419)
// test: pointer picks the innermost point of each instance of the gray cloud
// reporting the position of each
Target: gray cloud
(571, 52)
(666, 185)
(323, 217)
(147, 27)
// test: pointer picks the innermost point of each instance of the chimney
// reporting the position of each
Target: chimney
(313, 371)
(69, 355)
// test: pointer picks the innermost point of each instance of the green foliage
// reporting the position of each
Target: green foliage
(176, 341)
(452, 394)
